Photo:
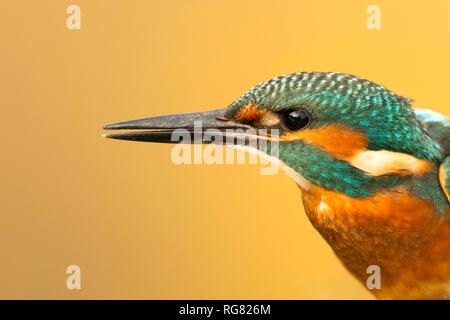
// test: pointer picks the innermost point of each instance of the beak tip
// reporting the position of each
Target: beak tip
(107, 127)
(116, 136)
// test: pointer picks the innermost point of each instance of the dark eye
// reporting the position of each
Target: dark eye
(293, 120)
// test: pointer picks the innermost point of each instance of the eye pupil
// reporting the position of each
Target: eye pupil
(293, 120)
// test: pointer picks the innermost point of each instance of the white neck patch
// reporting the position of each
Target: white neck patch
(376, 163)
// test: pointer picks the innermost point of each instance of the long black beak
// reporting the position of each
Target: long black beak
(161, 129)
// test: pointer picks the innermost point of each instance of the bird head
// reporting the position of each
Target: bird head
(334, 130)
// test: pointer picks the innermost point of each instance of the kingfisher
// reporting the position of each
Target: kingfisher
(373, 171)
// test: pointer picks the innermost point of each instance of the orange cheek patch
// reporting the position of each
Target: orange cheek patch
(340, 141)
(351, 146)
(249, 113)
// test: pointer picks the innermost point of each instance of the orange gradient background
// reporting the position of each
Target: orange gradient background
(138, 225)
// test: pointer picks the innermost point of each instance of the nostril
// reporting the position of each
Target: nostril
(222, 119)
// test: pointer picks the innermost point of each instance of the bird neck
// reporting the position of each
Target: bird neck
(401, 233)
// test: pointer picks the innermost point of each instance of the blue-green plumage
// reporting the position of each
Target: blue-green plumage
(439, 127)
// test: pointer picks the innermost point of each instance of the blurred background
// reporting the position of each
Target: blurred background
(138, 225)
